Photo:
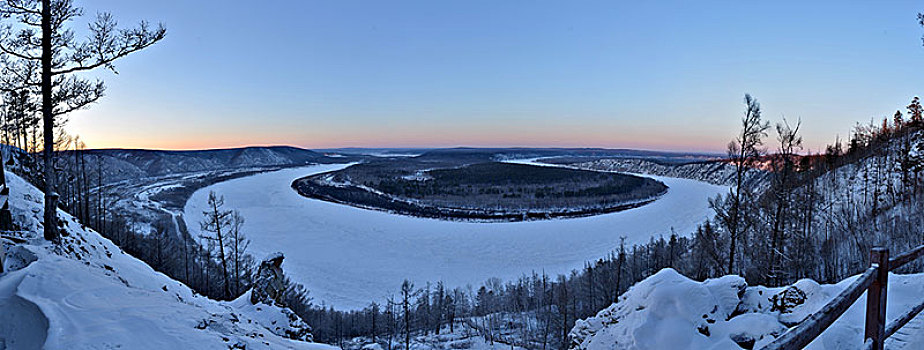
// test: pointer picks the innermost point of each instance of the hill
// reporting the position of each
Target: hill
(126, 164)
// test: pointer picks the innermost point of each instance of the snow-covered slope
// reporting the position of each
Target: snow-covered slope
(85, 293)
(462, 337)
(132, 164)
(717, 173)
(670, 311)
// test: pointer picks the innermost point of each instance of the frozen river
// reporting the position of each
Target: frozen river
(348, 257)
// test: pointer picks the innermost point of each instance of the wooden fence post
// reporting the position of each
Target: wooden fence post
(6, 218)
(876, 298)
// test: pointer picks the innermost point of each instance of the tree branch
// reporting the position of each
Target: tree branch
(19, 8)
(16, 54)
(108, 48)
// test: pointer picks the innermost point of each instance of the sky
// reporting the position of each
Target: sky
(662, 75)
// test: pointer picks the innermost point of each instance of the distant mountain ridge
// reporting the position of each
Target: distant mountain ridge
(120, 164)
(521, 153)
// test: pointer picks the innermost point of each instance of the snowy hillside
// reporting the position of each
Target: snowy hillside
(717, 173)
(85, 293)
(131, 164)
(462, 337)
(670, 311)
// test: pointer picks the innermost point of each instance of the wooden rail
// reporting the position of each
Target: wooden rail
(809, 329)
(874, 281)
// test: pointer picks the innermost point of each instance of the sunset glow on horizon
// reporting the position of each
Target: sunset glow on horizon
(417, 74)
(560, 137)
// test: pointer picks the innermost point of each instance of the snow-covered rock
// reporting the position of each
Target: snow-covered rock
(85, 293)
(269, 281)
(278, 319)
(462, 337)
(670, 311)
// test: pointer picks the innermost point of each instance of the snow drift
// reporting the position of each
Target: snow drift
(670, 311)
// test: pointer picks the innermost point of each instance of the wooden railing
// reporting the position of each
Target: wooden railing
(874, 281)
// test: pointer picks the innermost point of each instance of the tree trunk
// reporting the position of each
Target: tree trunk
(51, 232)
(221, 250)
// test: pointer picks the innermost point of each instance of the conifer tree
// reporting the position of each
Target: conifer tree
(915, 111)
(897, 121)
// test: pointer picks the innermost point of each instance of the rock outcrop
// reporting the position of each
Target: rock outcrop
(269, 281)
(268, 287)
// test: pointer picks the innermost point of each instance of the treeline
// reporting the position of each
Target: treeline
(535, 311)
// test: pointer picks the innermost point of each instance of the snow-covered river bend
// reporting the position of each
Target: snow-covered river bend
(349, 257)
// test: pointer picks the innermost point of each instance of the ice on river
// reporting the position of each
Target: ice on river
(348, 257)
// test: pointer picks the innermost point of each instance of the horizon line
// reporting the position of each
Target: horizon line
(676, 151)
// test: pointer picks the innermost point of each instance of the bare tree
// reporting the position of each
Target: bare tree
(217, 222)
(237, 248)
(743, 151)
(42, 53)
(407, 293)
(783, 185)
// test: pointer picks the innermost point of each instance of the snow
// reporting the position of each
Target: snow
(348, 257)
(87, 294)
(463, 337)
(274, 256)
(670, 311)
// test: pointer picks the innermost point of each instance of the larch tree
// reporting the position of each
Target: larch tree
(743, 152)
(407, 293)
(19, 118)
(374, 312)
(41, 54)
(237, 248)
(783, 185)
(217, 222)
(915, 111)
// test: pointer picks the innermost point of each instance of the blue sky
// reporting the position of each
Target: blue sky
(655, 74)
